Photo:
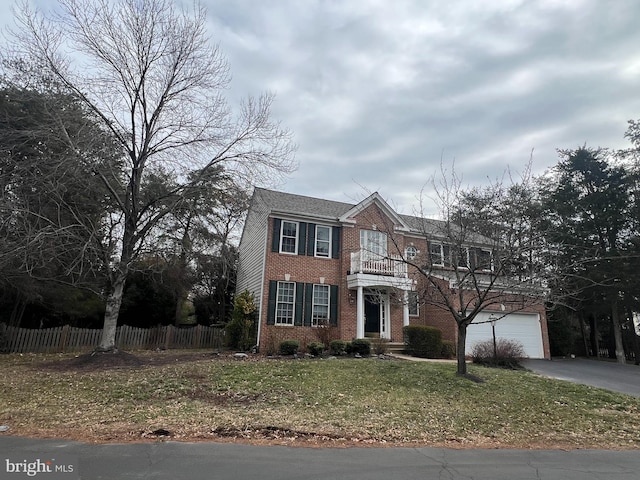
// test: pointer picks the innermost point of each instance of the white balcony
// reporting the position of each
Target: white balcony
(363, 261)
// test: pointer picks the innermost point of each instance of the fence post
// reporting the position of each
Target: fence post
(168, 339)
(198, 337)
(64, 338)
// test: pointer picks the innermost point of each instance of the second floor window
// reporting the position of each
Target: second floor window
(436, 254)
(289, 237)
(462, 257)
(323, 241)
(373, 243)
(483, 259)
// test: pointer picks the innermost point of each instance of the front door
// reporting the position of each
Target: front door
(371, 318)
(376, 314)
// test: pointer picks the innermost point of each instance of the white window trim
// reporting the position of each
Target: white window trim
(297, 224)
(293, 304)
(315, 246)
(314, 321)
(413, 255)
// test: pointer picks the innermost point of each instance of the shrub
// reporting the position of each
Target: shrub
(240, 332)
(448, 349)
(508, 353)
(360, 346)
(422, 341)
(338, 347)
(325, 332)
(289, 347)
(380, 346)
(315, 348)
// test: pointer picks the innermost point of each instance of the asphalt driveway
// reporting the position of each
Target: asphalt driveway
(597, 373)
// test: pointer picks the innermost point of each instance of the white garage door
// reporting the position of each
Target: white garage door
(523, 327)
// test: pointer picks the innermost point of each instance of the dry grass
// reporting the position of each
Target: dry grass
(195, 396)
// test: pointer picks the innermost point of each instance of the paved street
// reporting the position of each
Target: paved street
(597, 373)
(193, 461)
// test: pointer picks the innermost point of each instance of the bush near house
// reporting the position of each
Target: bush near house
(422, 341)
(241, 331)
(448, 349)
(507, 353)
(380, 346)
(359, 346)
(315, 348)
(289, 347)
(338, 347)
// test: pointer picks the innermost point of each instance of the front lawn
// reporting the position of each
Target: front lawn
(338, 402)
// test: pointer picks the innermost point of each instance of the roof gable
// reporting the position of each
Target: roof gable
(375, 199)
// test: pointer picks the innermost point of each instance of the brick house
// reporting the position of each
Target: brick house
(310, 261)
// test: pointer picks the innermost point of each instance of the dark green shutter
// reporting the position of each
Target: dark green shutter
(335, 241)
(308, 303)
(333, 305)
(311, 239)
(275, 240)
(302, 238)
(299, 306)
(271, 307)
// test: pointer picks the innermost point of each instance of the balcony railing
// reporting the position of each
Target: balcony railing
(363, 261)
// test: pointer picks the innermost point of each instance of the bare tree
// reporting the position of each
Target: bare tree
(482, 253)
(148, 72)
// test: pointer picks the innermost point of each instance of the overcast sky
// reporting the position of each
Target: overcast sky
(379, 93)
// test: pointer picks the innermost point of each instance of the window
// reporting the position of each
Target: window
(320, 315)
(323, 241)
(411, 252)
(374, 243)
(414, 304)
(435, 254)
(285, 303)
(484, 259)
(289, 237)
(463, 257)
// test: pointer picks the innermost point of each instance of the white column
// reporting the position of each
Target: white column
(360, 314)
(405, 308)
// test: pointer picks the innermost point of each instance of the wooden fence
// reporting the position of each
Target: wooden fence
(69, 339)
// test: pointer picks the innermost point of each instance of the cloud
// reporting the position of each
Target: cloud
(379, 93)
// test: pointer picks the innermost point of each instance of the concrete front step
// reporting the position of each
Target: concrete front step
(395, 347)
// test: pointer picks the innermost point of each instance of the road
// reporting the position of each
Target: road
(194, 461)
(597, 373)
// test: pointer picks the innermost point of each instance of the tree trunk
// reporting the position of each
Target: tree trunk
(181, 298)
(112, 310)
(18, 310)
(462, 342)
(595, 343)
(583, 330)
(617, 332)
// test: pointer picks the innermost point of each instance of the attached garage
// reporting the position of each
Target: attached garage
(523, 327)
